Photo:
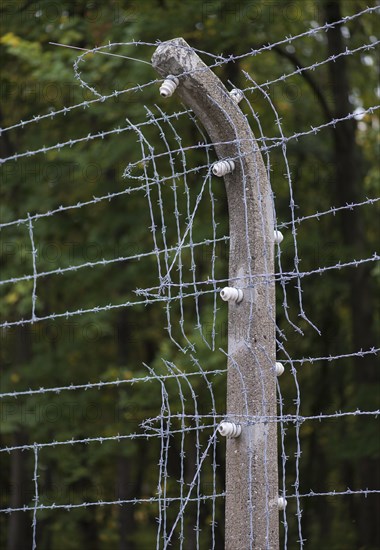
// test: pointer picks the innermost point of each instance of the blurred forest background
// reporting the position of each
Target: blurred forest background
(334, 167)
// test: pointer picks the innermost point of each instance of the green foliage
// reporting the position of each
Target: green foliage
(38, 77)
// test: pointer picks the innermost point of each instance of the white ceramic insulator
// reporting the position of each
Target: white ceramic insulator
(282, 503)
(230, 294)
(169, 86)
(278, 237)
(237, 95)
(229, 429)
(223, 167)
(279, 367)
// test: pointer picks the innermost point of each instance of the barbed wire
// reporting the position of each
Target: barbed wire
(174, 198)
(152, 298)
(152, 500)
(132, 381)
(296, 419)
(221, 60)
(102, 134)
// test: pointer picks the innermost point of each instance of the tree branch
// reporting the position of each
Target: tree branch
(309, 79)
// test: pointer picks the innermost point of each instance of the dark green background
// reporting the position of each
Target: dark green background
(331, 168)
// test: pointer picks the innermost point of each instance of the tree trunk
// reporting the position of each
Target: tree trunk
(350, 172)
(125, 491)
(19, 532)
(126, 485)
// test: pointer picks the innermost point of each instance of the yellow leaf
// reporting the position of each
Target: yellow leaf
(10, 39)
(12, 297)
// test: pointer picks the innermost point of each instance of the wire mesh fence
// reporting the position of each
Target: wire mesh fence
(150, 256)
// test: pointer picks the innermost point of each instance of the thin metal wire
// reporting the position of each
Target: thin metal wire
(176, 196)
